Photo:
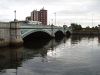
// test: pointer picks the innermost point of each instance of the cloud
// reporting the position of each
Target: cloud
(65, 9)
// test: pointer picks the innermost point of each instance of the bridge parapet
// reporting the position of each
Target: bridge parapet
(25, 25)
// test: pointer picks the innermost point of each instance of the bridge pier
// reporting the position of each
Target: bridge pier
(15, 34)
(52, 31)
(64, 28)
(66, 32)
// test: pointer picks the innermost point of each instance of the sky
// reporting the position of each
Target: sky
(84, 12)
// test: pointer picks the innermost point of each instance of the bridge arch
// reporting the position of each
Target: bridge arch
(68, 33)
(27, 33)
(39, 36)
(59, 34)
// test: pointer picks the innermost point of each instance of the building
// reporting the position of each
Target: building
(34, 15)
(40, 16)
(43, 16)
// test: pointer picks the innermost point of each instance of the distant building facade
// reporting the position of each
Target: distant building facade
(40, 16)
(34, 15)
(43, 16)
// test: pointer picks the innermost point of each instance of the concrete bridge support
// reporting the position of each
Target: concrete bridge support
(4, 34)
(52, 31)
(15, 34)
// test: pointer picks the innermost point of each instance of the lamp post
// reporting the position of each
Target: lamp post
(55, 17)
(92, 20)
(15, 15)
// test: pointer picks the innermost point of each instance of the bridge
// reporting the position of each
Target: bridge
(15, 32)
(27, 29)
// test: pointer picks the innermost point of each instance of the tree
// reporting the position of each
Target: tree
(87, 27)
(75, 26)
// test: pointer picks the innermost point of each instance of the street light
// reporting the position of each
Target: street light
(55, 17)
(15, 15)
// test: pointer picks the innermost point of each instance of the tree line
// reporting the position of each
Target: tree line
(78, 27)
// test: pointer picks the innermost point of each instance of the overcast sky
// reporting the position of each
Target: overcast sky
(67, 11)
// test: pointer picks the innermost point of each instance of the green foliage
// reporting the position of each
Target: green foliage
(78, 27)
(75, 27)
(87, 27)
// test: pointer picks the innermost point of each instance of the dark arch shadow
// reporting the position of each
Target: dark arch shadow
(59, 35)
(68, 33)
(37, 39)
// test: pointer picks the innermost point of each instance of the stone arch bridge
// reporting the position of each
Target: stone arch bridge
(27, 29)
(15, 32)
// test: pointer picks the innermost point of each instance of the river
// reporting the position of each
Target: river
(76, 55)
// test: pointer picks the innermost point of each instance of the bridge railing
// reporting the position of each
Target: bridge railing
(4, 25)
(38, 26)
(26, 26)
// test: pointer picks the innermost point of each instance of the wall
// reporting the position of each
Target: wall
(4, 33)
(10, 34)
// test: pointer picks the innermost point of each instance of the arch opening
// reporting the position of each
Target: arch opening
(68, 33)
(59, 34)
(37, 38)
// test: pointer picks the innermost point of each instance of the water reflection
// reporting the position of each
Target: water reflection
(11, 58)
(75, 39)
(99, 39)
(53, 57)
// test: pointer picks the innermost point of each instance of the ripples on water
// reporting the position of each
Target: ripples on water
(77, 55)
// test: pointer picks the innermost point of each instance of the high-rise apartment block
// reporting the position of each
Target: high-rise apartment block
(34, 15)
(40, 16)
(43, 16)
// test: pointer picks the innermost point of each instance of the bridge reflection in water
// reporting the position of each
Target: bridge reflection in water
(12, 58)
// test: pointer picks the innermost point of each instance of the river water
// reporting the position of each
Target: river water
(76, 55)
